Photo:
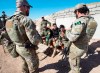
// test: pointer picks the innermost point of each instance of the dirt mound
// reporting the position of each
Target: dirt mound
(54, 65)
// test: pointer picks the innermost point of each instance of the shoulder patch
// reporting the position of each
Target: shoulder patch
(78, 23)
(9, 24)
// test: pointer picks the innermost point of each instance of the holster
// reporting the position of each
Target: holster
(30, 45)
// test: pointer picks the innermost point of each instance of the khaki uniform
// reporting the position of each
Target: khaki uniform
(79, 35)
(22, 31)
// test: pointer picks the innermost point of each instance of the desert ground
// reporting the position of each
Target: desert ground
(90, 64)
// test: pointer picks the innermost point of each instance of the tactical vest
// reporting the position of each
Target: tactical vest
(16, 30)
(88, 31)
(91, 28)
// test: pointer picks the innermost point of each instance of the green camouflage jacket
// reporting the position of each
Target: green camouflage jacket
(21, 29)
(44, 23)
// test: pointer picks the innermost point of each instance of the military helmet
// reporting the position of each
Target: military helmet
(22, 3)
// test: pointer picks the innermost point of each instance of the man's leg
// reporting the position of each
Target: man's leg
(24, 66)
(75, 54)
(74, 65)
(33, 62)
(30, 57)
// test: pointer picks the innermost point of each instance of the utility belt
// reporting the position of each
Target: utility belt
(27, 45)
(30, 45)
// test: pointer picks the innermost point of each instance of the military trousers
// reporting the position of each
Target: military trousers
(30, 59)
(75, 53)
(64, 42)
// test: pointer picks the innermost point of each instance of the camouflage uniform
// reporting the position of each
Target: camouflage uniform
(3, 17)
(5, 41)
(44, 24)
(79, 36)
(55, 34)
(46, 34)
(62, 40)
(25, 34)
(1, 24)
(22, 31)
(83, 27)
(7, 44)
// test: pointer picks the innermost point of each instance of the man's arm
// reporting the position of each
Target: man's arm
(31, 31)
(75, 31)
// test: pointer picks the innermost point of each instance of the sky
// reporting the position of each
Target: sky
(41, 7)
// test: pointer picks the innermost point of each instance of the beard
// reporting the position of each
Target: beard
(76, 16)
(27, 13)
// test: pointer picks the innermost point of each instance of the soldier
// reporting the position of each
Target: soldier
(55, 31)
(5, 41)
(3, 17)
(22, 31)
(83, 27)
(8, 45)
(55, 35)
(62, 36)
(44, 23)
(1, 24)
(46, 35)
(62, 40)
(60, 43)
(3, 20)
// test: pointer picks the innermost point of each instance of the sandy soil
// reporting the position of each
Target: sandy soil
(54, 65)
